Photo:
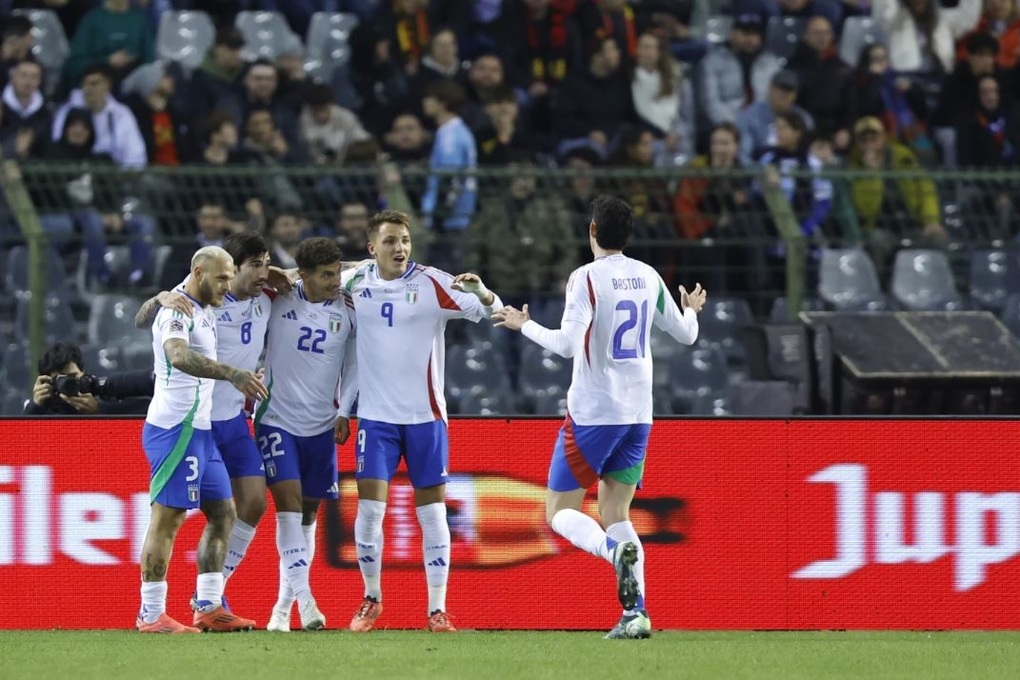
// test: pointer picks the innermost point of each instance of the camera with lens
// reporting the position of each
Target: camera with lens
(74, 385)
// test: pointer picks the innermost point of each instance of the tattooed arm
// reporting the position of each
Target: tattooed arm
(147, 312)
(186, 360)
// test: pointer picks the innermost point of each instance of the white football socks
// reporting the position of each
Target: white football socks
(285, 595)
(435, 548)
(622, 532)
(583, 531)
(210, 589)
(237, 546)
(293, 548)
(368, 542)
(153, 600)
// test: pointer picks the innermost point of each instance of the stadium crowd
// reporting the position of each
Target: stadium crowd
(436, 93)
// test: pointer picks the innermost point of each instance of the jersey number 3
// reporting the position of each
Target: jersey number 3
(624, 345)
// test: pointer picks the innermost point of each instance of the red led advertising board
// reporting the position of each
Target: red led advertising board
(747, 524)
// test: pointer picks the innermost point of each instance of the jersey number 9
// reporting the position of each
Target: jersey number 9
(387, 313)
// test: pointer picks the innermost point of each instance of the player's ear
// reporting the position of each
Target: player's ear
(592, 229)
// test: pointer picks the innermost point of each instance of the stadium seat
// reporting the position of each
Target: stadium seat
(550, 404)
(782, 35)
(17, 271)
(780, 306)
(495, 403)
(328, 43)
(848, 281)
(712, 404)
(185, 37)
(858, 32)
(17, 371)
(717, 29)
(100, 358)
(1010, 314)
(112, 321)
(663, 348)
(698, 372)
(923, 281)
(474, 370)
(266, 35)
(13, 403)
(543, 372)
(58, 320)
(994, 276)
(720, 324)
(118, 261)
(662, 398)
(49, 45)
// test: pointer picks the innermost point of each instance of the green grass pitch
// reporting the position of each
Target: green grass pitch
(40, 655)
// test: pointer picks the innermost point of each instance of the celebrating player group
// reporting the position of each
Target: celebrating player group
(373, 334)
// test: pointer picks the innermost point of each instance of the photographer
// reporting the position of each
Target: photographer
(63, 388)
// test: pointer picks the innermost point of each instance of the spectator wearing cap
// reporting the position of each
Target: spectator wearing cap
(959, 93)
(824, 81)
(892, 210)
(757, 122)
(219, 74)
(593, 103)
(766, 9)
(114, 34)
(736, 74)
(149, 91)
(327, 130)
(922, 36)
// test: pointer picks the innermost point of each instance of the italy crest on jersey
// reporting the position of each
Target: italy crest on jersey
(411, 293)
(336, 322)
(257, 309)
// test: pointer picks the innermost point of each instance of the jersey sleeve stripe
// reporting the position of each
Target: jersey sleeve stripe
(432, 393)
(445, 301)
(660, 304)
(587, 333)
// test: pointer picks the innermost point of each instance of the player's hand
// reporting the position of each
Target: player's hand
(42, 390)
(510, 318)
(472, 283)
(249, 384)
(175, 301)
(282, 280)
(83, 403)
(341, 430)
(694, 300)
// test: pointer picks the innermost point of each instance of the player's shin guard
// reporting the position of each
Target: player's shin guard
(584, 532)
(435, 536)
(368, 541)
(624, 532)
(237, 546)
(293, 547)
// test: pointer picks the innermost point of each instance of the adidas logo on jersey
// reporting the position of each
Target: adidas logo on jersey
(366, 293)
(292, 315)
(225, 317)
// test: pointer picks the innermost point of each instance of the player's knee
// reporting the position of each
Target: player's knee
(221, 516)
(165, 521)
(250, 510)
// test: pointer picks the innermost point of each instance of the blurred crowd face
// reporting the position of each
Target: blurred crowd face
(982, 63)
(77, 134)
(787, 137)
(261, 82)
(988, 93)
(286, 230)
(408, 133)
(818, 34)
(745, 42)
(354, 220)
(641, 152)
(781, 99)
(582, 185)
(486, 72)
(26, 78)
(878, 59)
(444, 49)
(723, 149)
(227, 58)
(260, 127)
(648, 52)
(999, 10)
(94, 89)
(212, 221)
(608, 57)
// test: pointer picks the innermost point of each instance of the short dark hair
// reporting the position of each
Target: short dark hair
(729, 127)
(16, 26)
(59, 355)
(319, 95)
(794, 120)
(244, 246)
(214, 122)
(387, 217)
(982, 43)
(614, 221)
(447, 92)
(97, 69)
(317, 251)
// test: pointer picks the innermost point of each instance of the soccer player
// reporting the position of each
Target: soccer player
(241, 323)
(186, 469)
(610, 307)
(312, 383)
(402, 311)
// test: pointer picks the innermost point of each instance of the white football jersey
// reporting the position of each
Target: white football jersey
(179, 397)
(310, 357)
(241, 337)
(401, 344)
(616, 299)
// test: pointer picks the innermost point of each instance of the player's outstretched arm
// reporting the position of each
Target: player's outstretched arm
(186, 360)
(472, 283)
(680, 322)
(694, 300)
(175, 301)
